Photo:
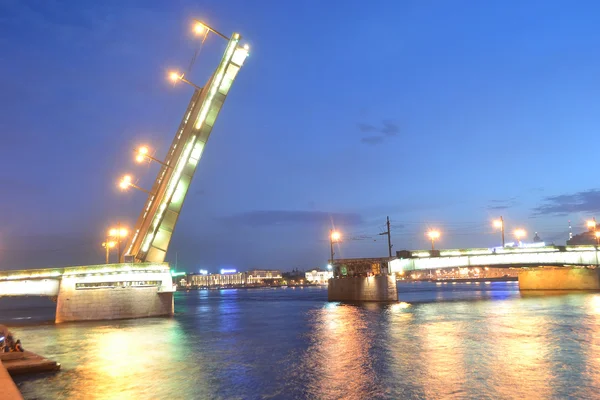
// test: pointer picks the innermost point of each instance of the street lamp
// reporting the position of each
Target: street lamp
(520, 233)
(118, 234)
(175, 76)
(334, 236)
(143, 153)
(109, 244)
(200, 27)
(433, 235)
(499, 223)
(126, 182)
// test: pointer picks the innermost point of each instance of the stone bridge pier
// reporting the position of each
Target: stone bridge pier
(98, 292)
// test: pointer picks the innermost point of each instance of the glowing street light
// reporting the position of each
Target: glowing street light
(118, 234)
(175, 77)
(143, 153)
(433, 235)
(499, 223)
(334, 236)
(127, 181)
(109, 244)
(597, 234)
(591, 224)
(200, 27)
(520, 233)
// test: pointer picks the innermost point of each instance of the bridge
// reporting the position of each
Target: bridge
(113, 291)
(142, 286)
(496, 257)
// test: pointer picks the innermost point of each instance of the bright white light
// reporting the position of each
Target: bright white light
(227, 271)
(203, 272)
(329, 267)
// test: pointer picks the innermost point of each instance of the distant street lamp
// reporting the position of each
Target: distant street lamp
(520, 233)
(499, 223)
(143, 153)
(126, 182)
(118, 234)
(334, 236)
(200, 27)
(176, 76)
(109, 244)
(433, 235)
(591, 224)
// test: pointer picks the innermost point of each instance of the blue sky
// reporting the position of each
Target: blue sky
(441, 114)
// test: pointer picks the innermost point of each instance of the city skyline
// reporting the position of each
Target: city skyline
(418, 112)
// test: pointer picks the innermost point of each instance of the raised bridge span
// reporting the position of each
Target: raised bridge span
(497, 257)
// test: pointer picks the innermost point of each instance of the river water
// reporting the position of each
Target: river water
(442, 341)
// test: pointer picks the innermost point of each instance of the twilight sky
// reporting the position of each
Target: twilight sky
(440, 114)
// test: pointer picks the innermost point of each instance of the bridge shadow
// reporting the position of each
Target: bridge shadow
(27, 310)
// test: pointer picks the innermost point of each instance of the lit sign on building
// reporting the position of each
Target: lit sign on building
(228, 271)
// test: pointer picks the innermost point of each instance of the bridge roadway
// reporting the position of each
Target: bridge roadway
(97, 292)
(505, 257)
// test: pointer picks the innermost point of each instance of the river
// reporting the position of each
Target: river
(442, 341)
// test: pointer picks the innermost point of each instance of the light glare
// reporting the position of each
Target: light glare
(198, 28)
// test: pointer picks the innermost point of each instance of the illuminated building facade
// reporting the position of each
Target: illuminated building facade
(262, 276)
(218, 280)
(318, 277)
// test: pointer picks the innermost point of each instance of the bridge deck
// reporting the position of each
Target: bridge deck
(548, 255)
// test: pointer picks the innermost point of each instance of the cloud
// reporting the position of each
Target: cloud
(586, 201)
(502, 204)
(388, 129)
(282, 217)
(366, 127)
(372, 139)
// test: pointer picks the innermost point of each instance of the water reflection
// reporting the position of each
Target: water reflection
(337, 358)
(293, 344)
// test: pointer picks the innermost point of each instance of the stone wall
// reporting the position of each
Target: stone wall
(559, 279)
(111, 303)
(373, 288)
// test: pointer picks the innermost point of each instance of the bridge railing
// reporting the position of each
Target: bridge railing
(580, 255)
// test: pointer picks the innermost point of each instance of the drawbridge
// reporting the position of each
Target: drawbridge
(155, 226)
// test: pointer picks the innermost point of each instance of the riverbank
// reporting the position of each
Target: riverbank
(8, 389)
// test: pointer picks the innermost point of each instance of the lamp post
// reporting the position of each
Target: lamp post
(520, 233)
(142, 154)
(334, 236)
(200, 27)
(433, 235)
(109, 244)
(126, 182)
(118, 233)
(499, 223)
(175, 76)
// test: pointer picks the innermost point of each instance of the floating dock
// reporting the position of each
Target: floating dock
(27, 363)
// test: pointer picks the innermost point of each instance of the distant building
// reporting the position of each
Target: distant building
(318, 276)
(218, 280)
(262, 276)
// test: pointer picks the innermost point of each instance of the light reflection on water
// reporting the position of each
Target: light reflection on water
(446, 341)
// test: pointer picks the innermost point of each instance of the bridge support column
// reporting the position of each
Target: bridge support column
(559, 278)
(380, 288)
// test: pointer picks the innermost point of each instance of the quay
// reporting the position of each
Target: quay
(8, 389)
